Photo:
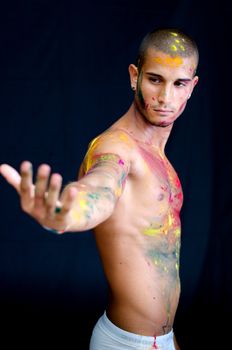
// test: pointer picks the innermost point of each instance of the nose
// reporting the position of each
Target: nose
(165, 95)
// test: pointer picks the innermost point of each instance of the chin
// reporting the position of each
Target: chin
(162, 124)
(165, 124)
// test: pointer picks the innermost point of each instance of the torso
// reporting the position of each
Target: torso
(139, 246)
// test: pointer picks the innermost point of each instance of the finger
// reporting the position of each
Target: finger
(53, 193)
(67, 200)
(41, 184)
(26, 185)
(11, 176)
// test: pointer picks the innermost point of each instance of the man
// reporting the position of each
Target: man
(129, 193)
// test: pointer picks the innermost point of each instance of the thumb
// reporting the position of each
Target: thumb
(11, 176)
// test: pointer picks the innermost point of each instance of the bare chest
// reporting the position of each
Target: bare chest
(162, 187)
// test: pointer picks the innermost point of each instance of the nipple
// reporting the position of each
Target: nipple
(160, 197)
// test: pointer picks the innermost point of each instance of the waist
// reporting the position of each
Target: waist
(143, 319)
(131, 338)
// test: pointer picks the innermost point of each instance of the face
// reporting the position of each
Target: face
(163, 86)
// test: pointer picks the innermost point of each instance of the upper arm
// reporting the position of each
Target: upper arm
(107, 162)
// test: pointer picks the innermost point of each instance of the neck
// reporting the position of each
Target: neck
(143, 131)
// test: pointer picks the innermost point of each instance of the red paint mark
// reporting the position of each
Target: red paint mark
(121, 162)
(179, 196)
(153, 98)
(177, 182)
(155, 346)
(170, 199)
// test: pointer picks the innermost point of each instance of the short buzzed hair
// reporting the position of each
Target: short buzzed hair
(170, 41)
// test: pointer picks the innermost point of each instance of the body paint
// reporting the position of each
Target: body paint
(118, 169)
(87, 203)
(173, 62)
(110, 168)
(154, 345)
(170, 223)
(139, 91)
(177, 43)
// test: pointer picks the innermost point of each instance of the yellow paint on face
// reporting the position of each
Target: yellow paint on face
(169, 61)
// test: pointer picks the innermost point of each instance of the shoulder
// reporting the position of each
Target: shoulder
(111, 145)
(112, 141)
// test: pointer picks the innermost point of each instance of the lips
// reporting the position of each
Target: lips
(162, 111)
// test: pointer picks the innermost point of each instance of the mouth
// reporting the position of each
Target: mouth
(162, 111)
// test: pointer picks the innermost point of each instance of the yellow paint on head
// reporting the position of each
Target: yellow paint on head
(174, 34)
(174, 48)
(169, 61)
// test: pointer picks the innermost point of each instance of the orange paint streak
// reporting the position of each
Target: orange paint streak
(169, 61)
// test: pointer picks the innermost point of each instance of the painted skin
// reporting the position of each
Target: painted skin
(139, 244)
(129, 193)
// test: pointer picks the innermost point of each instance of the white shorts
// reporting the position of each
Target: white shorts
(107, 336)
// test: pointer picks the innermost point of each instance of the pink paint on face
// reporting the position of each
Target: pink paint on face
(147, 106)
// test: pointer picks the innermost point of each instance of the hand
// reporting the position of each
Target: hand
(43, 200)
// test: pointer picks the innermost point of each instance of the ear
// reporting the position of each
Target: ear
(133, 71)
(194, 83)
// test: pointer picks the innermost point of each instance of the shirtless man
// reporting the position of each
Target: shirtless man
(130, 195)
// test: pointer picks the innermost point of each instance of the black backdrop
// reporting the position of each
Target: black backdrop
(64, 79)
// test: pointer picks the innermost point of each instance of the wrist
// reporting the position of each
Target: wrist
(53, 230)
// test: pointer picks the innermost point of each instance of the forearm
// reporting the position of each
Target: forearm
(93, 205)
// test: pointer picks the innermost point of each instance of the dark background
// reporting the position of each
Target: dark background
(64, 79)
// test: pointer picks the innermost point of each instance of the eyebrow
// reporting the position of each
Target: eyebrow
(160, 76)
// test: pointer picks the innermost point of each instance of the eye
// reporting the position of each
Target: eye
(180, 83)
(155, 80)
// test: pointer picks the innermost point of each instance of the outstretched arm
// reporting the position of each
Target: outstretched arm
(81, 205)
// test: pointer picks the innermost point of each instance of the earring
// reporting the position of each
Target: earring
(189, 96)
(133, 88)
